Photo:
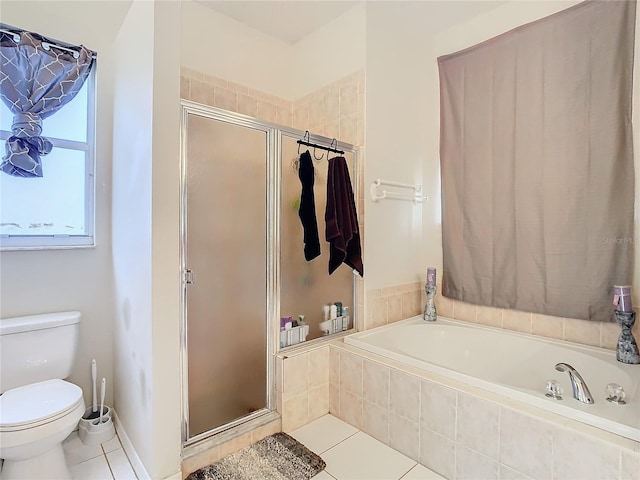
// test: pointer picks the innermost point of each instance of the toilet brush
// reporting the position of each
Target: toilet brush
(102, 392)
(94, 409)
(94, 374)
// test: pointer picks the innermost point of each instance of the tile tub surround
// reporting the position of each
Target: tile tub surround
(302, 386)
(595, 334)
(461, 431)
(392, 304)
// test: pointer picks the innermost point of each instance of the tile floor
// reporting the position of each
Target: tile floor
(349, 453)
(99, 462)
(352, 455)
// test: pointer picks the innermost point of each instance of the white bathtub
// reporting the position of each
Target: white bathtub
(515, 365)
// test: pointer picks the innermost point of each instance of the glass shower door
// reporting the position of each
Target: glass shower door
(225, 254)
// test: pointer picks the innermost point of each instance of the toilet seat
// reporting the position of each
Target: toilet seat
(36, 404)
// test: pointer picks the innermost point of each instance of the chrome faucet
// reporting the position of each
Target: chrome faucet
(580, 390)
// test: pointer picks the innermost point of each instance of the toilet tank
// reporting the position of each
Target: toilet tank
(37, 348)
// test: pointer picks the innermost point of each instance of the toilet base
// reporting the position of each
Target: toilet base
(50, 465)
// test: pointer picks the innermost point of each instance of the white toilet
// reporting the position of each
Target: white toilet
(38, 409)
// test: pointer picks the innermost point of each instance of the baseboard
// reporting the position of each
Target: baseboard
(134, 459)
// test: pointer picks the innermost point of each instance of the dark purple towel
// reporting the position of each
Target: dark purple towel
(307, 212)
(341, 218)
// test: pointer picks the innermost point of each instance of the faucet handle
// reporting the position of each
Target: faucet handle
(615, 394)
(554, 390)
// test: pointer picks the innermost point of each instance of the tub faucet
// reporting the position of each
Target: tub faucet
(580, 390)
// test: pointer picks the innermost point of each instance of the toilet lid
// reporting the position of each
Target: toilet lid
(37, 403)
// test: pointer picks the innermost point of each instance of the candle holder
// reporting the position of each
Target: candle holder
(627, 351)
(430, 314)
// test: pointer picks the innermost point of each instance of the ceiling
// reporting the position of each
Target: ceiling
(288, 21)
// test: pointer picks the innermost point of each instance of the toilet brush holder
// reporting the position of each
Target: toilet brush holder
(93, 432)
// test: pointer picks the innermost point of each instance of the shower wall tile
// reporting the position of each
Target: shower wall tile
(349, 99)
(201, 92)
(351, 372)
(529, 453)
(471, 465)
(247, 105)
(411, 303)
(489, 316)
(547, 326)
(376, 379)
(580, 331)
(351, 408)
(404, 395)
(375, 421)
(630, 466)
(516, 320)
(296, 375)
(295, 412)
(598, 334)
(404, 436)
(437, 453)
(225, 98)
(267, 111)
(438, 406)
(575, 456)
(318, 402)
(185, 87)
(609, 335)
(478, 425)
(466, 311)
(319, 367)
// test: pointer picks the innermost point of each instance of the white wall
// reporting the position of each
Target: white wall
(145, 234)
(395, 142)
(218, 45)
(132, 170)
(329, 53)
(80, 279)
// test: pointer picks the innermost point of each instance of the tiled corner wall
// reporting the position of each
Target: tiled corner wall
(302, 386)
(217, 452)
(461, 432)
(336, 111)
(597, 334)
(391, 304)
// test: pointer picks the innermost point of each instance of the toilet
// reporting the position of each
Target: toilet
(38, 409)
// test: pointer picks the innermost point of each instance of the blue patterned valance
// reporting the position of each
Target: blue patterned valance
(37, 77)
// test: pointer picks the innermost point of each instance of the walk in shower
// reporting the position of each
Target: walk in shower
(243, 263)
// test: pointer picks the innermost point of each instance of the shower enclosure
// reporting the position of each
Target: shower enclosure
(243, 263)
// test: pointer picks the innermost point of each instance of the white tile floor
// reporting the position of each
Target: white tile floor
(352, 455)
(99, 462)
(349, 453)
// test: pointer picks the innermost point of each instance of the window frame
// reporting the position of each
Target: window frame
(53, 242)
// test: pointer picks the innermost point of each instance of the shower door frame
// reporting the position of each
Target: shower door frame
(191, 108)
(274, 134)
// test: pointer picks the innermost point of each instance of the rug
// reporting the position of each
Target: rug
(276, 457)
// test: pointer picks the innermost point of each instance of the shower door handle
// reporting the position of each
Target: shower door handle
(189, 277)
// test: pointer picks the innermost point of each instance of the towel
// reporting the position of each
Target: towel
(307, 211)
(341, 219)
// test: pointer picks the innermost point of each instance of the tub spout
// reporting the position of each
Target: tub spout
(580, 390)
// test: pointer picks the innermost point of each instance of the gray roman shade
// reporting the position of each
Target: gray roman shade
(537, 164)
(37, 78)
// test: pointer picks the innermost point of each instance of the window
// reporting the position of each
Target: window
(57, 210)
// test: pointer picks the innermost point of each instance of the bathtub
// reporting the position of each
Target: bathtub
(513, 365)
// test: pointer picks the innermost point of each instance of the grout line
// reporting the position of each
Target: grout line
(341, 441)
(407, 472)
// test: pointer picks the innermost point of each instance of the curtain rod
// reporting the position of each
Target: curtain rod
(322, 147)
(46, 43)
